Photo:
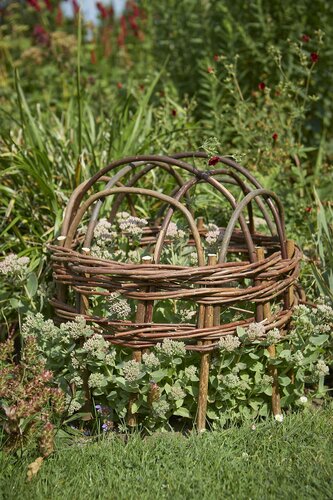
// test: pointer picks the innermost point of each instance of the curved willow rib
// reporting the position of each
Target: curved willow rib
(236, 215)
(130, 190)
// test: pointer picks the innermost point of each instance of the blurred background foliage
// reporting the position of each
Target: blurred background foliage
(247, 79)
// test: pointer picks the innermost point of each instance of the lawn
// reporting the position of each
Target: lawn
(286, 460)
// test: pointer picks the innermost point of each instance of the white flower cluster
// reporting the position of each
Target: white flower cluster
(266, 380)
(174, 233)
(103, 230)
(303, 400)
(326, 313)
(212, 234)
(150, 360)
(160, 408)
(72, 405)
(76, 329)
(171, 348)
(177, 393)
(105, 237)
(186, 314)
(75, 362)
(110, 358)
(34, 324)
(191, 371)
(100, 252)
(77, 381)
(255, 331)
(231, 380)
(273, 336)
(131, 225)
(120, 309)
(298, 358)
(96, 346)
(97, 380)
(194, 258)
(12, 265)
(131, 370)
(321, 368)
(228, 343)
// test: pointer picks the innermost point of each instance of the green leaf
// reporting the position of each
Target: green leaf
(182, 412)
(158, 375)
(15, 303)
(32, 284)
(212, 415)
(319, 340)
(135, 407)
(284, 381)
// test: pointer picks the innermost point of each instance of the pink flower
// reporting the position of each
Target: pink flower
(213, 160)
(314, 57)
(119, 85)
(275, 137)
(216, 57)
(210, 69)
(34, 4)
(261, 86)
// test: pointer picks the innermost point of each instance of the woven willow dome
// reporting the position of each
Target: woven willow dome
(247, 276)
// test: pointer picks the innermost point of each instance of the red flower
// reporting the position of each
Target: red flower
(48, 5)
(34, 4)
(305, 38)
(216, 57)
(123, 31)
(213, 160)
(308, 209)
(261, 86)
(314, 57)
(119, 85)
(275, 137)
(76, 6)
(134, 25)
(59, 16)
(134, 7)
(102, 10)
(174, 112)
(210, 69)
(41, 35)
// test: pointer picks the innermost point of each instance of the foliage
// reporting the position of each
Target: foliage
(323, 239)
(165, 383)
(28, 402)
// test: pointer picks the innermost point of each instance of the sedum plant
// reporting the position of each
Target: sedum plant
(162, 388)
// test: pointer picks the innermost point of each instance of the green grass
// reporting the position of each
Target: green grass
(292, 460)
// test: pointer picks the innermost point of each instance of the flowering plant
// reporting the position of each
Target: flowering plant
(163, 387)
(28, 402)
(18, 285)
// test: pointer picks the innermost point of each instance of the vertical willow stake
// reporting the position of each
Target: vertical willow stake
(143, 308)
(205, 362)
(265, 312)
(291, 293)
